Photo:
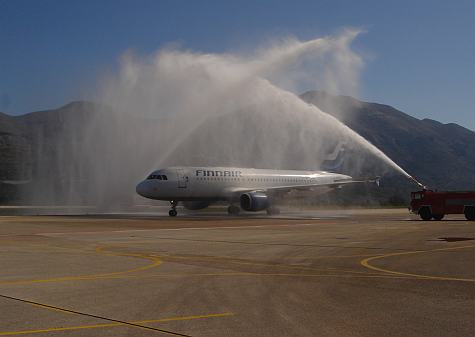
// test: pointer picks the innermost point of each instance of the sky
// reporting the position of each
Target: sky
(419, 55)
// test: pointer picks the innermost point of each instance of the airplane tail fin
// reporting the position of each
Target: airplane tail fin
(335, 159)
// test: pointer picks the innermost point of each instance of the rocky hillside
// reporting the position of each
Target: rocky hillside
(442, 156)
(45, 156)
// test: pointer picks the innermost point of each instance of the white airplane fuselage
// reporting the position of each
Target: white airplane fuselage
(226, 183)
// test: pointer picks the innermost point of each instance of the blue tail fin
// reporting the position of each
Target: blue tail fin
(335, 159)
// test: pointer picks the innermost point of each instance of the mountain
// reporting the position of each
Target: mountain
(442, 156)
(67, 155)
(33, 148)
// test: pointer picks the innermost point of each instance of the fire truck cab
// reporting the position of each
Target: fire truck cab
(435, 205)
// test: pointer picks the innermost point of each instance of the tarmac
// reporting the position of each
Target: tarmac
(309, 273)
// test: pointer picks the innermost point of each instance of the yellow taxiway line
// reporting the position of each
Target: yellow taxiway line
(366, 263)
(109, 325)
(156, 261)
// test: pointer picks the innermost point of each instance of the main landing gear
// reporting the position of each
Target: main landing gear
(233, 210)
(173, 211)
(272, 210)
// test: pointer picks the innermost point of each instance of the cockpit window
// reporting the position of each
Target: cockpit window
(164, 177)
(156, 176)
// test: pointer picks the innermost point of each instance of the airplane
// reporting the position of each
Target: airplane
(249, 189)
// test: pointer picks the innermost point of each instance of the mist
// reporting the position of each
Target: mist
(181, 107)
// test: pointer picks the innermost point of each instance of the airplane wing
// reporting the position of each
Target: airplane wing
(337, 183)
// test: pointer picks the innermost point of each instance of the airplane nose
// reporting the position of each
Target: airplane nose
(142, 189)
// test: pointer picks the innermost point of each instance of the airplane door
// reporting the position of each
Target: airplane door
(182, 178)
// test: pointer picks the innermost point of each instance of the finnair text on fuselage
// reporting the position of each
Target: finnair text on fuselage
(217, 173)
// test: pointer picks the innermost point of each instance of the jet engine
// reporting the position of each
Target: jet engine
(194, 205)
(254, 201)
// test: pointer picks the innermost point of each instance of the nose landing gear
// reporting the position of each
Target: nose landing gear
(173, 211)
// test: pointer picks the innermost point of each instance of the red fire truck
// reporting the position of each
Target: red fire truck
(435, 205)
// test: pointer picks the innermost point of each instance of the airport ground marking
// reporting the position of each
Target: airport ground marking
(271, 243)
(264, 264)
(156, 261)
(322, 257)
(113, 322)
(39, 305)
(117, 324)
(366, 263)
(252, 274)
(187, 228)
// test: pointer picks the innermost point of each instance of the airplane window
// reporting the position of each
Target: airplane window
(164, 177)
(156, 176)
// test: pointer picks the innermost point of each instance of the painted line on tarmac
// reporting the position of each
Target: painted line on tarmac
(170, 258)
(39, 305)
(252, 274)
(366, 263)
(176, 229)
(117, 324)
(156, 261)
(114, 322)
(327, 257)
(169, 238)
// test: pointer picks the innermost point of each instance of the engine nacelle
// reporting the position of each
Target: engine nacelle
(194, 205)
(254, 201)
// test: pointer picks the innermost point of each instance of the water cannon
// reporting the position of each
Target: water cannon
(424, 187)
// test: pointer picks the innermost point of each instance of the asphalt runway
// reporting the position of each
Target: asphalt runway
(322, 273)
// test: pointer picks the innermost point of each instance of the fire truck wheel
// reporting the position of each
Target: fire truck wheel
(470, 213)
(438, 217)
(425, 213)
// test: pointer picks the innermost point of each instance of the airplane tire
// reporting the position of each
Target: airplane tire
(233, 210)
(425, 214)
(273, 211)
(438, 217)
(172, 212)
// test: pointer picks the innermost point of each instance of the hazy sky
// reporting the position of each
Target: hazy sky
(419, 55)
